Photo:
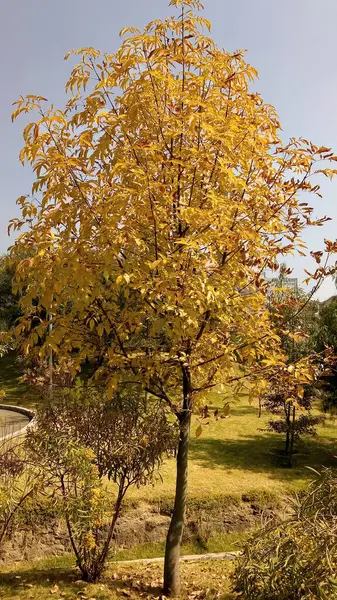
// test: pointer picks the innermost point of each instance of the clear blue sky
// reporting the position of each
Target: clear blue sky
(292, 43)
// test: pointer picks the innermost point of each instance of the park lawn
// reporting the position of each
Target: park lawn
(234, 458)
(220, 542)
(16, 391)
(231, 458)
(54, 578)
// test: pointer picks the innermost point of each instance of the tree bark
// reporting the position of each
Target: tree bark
(106, 547)
(174, 536)
(292, 438)
(287, 411)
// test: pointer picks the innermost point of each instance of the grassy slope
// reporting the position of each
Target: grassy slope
(232, 457)
(225, 542)
(10, 382)
(42, 582)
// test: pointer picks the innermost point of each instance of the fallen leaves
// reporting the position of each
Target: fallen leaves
(55, 589)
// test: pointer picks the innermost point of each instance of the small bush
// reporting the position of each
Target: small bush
(20, 482)
(296, 558)
(81, 439)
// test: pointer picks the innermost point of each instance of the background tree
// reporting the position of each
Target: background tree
(292, 402)
(9, 302)
(296, 315)
(326, 337)
(162, 192)
(289, 394)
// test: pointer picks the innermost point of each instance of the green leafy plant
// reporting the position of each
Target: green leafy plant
(296, 558)
(20, 481)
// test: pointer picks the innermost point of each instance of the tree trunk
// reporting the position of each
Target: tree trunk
(292, 438)
(288, 429)
(174, 536)
(98, 568)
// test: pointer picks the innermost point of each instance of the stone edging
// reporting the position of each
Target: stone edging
(22, 411)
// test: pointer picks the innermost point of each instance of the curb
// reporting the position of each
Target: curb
(22, 411)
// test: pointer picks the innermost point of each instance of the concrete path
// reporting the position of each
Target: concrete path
(186, 558)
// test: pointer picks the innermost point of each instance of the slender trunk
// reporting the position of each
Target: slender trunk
(260, 407)
(287, 411)
(292, 438)
(69, 528)
(50, 329)
(174, 536)
(101, 560)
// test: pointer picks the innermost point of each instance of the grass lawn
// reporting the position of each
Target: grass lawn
(41, 581)
(232, 457)
(224, 542)
(16, 391)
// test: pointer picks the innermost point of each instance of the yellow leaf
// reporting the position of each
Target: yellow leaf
(300, 391)
(198, 431)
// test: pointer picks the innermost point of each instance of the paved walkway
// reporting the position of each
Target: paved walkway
(10, 422)
(186, 558)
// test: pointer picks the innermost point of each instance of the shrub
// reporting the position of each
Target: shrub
(20, 481)
(296, 558)
(82, 438)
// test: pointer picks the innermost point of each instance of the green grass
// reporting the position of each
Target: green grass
(226, 542)
(55, 579)
(234, 458)
(11, 371)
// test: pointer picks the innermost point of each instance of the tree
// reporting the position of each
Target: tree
(326, 337)
(290, 395)
(163, 193)
(9, 304)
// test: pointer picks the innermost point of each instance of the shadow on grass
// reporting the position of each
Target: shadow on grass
(68, 583)
(16, 582)
(65, 583)
(17, 391)
(263, 454)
